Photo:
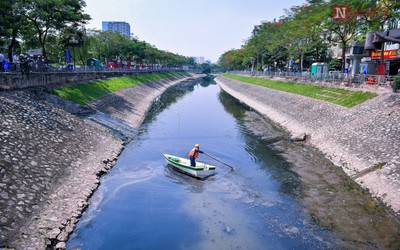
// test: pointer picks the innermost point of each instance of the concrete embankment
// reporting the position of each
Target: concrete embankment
(51, 160)
(364, 141)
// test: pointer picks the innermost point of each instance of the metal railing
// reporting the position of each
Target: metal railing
(33, 75)
(28, 67)
(330, 79)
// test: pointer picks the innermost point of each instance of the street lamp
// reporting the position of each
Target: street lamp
(73, 42)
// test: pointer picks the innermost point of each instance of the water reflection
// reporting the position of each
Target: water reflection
(173, 95)
(258, 133)
(192, 184)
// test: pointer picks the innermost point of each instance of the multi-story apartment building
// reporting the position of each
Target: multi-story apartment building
(120, 27)
(199, 59)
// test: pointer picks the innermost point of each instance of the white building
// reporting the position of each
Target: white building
(199, 60)
(120, 27)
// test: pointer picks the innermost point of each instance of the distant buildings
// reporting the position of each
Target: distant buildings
(120, 27)
(199, 59)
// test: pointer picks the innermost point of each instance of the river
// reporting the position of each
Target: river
(280, 194)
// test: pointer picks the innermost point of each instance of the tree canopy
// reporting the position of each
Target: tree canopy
(306, 33)
(57, 25)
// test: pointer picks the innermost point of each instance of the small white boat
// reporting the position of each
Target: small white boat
(201, 170)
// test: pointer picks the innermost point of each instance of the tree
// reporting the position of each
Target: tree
(5, 17)
(46, 16)
(306, 33)
(376, 14)
(206, 68)
(343, 31)
(232, 60)
(11, 22)
(273, 44)
(114, 46)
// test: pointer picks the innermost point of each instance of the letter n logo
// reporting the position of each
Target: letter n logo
(340, 12)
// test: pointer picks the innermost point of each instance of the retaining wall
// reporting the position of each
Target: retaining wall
(364, 140)
(10, 81)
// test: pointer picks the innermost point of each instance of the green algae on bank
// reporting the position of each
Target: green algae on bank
(342, 97)
(83, 93)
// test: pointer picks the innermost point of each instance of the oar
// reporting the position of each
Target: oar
(220, 161)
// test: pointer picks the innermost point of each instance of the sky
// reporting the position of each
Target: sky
(206, 28)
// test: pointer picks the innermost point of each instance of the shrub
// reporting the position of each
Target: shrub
(396, 84)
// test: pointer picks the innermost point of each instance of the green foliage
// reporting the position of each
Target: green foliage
(396, 84)
(345, 98)
(86, 92)
(45, 17)
(232, 59)
(206, 68)
(308, 31)
(11, 22)
(336, 64)
(5, 15)
(114, 46)
(50, 25)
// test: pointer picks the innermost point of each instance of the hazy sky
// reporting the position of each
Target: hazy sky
(205, 28)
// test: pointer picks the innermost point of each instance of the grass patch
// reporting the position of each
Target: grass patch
(342, 97)
(85, 92)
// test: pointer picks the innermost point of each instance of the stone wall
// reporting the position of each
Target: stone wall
(11, 81)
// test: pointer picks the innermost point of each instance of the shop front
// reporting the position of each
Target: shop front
(372, 65)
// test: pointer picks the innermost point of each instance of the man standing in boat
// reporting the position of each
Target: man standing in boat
(193, 154)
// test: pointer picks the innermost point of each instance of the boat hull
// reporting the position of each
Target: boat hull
(201, 170)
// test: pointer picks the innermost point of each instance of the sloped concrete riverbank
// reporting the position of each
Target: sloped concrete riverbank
(51, 160)
(364, 141)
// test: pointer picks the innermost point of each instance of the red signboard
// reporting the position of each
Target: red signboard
(387, 54)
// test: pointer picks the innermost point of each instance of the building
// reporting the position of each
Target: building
(120, 27)
(199, 59)
(369, 59)
(356, 59)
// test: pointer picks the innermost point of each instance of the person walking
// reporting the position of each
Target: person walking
(193, 154)
(15, 62)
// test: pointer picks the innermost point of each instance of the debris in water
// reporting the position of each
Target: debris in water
(292, 230)
(229, 230)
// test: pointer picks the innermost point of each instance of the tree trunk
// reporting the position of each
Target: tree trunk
(301, 62)
(42, 38)
(11, 46)
(343, 56)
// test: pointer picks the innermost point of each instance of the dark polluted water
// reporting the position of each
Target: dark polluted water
(281, 195)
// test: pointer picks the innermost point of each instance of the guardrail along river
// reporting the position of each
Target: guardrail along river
(280, 195)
